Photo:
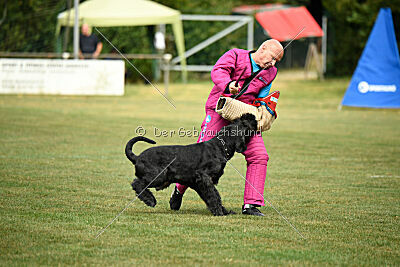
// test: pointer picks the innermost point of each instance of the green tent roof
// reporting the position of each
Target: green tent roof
(111, 13)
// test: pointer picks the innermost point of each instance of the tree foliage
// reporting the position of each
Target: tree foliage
(350, 23)
(29, 26)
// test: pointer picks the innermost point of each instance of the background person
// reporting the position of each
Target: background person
(224, 75)
(89, 44)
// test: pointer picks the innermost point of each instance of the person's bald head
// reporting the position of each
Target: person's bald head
(274, 46)
(268, 53)
(85, 29)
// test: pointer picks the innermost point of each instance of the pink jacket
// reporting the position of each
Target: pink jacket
(228, 68)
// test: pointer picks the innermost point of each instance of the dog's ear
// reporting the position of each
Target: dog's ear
(248, 117)
(235, 121)
(251, 126)
(240, 145)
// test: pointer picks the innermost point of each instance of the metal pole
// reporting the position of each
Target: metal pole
(158, 62)
(76, 29)
(167, 58)
(324, 42)
(213, 17)
(250, 34)
(68, 29)
(211, 40)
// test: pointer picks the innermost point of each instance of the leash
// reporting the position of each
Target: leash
(229, 99)
(256, 74)
(280, 52)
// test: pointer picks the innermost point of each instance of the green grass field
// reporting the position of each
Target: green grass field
(64, 176)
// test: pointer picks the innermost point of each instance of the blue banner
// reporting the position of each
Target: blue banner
(376, 80)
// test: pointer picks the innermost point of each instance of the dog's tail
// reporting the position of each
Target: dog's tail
(128, 149)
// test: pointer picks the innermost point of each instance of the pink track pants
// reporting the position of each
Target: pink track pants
(256, 156)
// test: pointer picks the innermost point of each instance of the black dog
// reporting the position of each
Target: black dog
(198, 166)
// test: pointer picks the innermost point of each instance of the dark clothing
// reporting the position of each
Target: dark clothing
(88, 44)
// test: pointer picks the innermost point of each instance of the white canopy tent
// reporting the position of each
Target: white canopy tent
(112, 13)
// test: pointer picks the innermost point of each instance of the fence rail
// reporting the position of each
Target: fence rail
(70, 55)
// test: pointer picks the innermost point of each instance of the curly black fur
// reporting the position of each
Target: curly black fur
(198, 166)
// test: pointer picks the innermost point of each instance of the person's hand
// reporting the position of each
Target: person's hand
(264, 124)
(234, 89)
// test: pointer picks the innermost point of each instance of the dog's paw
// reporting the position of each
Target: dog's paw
(231, 212)
(149, 201)
(227, 212)
(218, 211)
(221, 211)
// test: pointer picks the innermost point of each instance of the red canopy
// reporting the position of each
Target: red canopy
(284, 24)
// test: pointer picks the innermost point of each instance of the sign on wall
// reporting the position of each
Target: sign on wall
(61, 77)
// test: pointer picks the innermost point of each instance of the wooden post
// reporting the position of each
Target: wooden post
(312, 55)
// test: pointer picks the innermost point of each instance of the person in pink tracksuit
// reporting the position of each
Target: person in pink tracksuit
(242, 65)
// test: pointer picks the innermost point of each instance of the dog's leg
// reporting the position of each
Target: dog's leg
(224, 210)
(207, 191)
(143, 193)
